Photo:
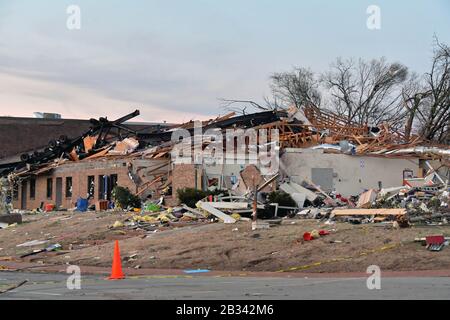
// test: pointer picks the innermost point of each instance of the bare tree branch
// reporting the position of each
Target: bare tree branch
(298, 87)
(367, 92)
(229, 104)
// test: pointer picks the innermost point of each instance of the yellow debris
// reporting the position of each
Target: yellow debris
(315, 234)
(236, 216)
(163, 217)
(148, 219)
(117, 224)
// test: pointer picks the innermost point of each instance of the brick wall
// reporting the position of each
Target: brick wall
(79, 172)
(184, 176)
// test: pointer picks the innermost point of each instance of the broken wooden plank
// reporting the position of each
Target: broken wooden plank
(366, 198)
(229, 205)
(99, 154)
(219, 214)
(89, 143)
(268, 182)
(194, 211)
(161, 154)
(124, 147)
(147, 185)
(319, 189)
(369, 212)
(73, 155)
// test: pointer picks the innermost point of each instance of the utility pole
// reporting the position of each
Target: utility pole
(254, 205)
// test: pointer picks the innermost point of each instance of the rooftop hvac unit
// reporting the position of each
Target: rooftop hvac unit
(44, 115)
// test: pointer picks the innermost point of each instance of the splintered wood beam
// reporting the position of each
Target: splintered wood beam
(369, 212)
(150, 183)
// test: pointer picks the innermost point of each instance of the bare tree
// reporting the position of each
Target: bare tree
(369, 92)
(435, 115)
(299, 87)
(414, 97)
(366, 92)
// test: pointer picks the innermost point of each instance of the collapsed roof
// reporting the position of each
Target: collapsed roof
(298, 128)
(113, 138)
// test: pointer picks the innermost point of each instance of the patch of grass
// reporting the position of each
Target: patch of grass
(190, 196)
(282, 198)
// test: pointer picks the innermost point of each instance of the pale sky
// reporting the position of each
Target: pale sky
(174, 59)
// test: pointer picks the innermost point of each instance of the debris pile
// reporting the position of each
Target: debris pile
(426, 203)
(434, 242)
(246, 194)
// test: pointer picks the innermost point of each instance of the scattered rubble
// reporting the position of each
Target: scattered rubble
(158, 201)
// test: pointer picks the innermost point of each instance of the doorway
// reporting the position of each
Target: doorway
(323, 177)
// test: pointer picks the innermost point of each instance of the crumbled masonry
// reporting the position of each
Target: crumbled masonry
(143, 164)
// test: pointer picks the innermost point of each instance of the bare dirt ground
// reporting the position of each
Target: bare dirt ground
(88, 240)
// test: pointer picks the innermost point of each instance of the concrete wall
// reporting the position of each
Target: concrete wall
(351, 174)
(227, 170)
(231, 168)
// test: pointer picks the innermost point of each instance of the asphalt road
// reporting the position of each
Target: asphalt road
(53, 286)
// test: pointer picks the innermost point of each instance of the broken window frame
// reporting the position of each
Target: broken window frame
(101, 186)
(112, 182)
(114, 179)
(91, 187)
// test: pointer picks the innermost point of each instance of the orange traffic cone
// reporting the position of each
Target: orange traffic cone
(116, 271)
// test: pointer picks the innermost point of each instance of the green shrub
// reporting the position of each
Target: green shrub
(124, 198)
(190, 196)
(434, 203)
(282, 198)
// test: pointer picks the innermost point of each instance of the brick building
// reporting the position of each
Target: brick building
(92, 179)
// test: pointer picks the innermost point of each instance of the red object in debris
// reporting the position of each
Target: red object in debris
(435, 240)
(341, 198)
(210, 198)
(307, 236)
(324, 232)
(49, 207)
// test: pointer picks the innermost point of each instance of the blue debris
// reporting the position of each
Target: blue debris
(196, 271)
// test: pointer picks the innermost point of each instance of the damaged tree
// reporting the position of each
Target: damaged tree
(299, 87)
(434, 120)
(375, 92)
(427, 99)
(367, 92)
